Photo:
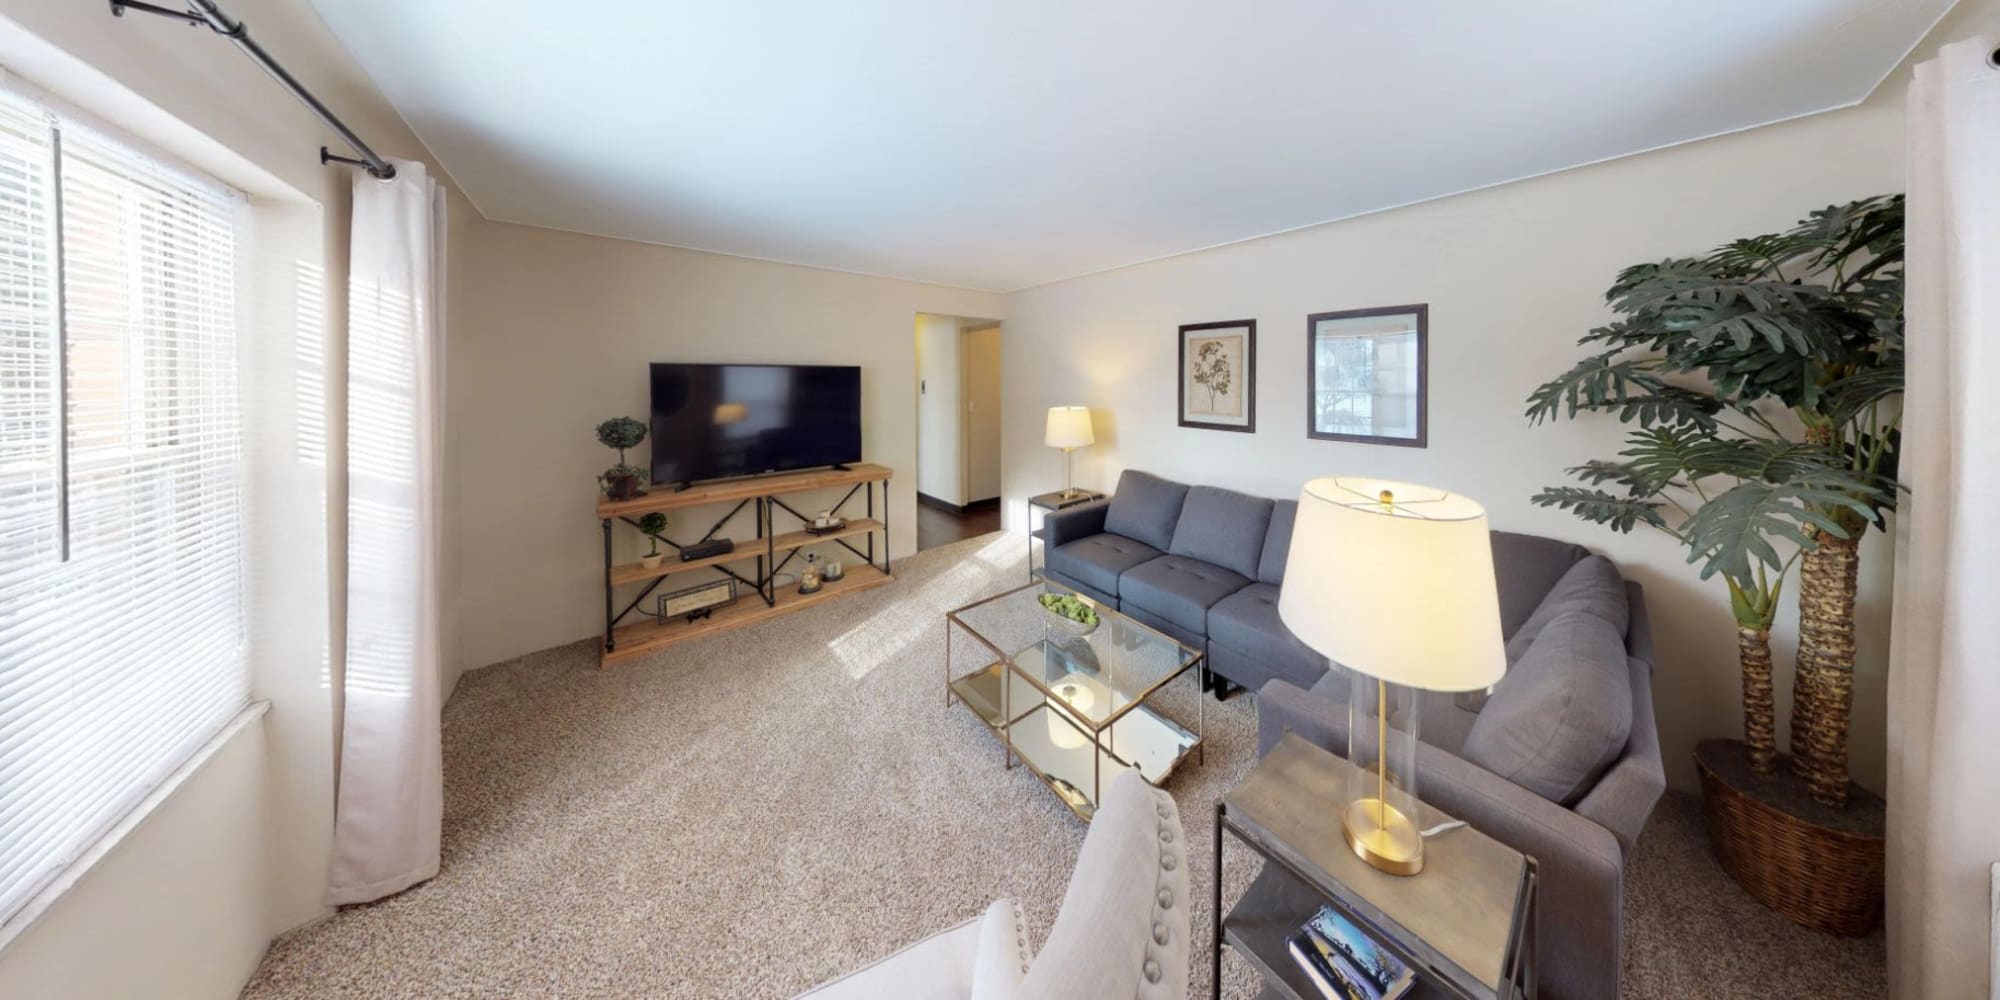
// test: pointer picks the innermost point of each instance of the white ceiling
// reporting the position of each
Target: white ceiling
(1009, 143)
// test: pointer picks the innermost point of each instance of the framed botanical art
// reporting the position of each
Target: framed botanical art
(1218, 385)
(1367, 375)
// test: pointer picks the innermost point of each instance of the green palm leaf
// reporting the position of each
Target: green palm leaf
(1632, 388)
(1849, 397)
(1601, 507)
(1637, 484)
(1734, 530)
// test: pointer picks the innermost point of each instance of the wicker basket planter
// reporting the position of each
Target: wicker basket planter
(1820, 867)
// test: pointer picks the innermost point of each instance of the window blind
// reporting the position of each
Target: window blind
(122, 633)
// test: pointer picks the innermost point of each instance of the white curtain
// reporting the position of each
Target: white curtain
(1944, 678)
(391, 798)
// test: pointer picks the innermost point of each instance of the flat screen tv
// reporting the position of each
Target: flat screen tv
(719, 421)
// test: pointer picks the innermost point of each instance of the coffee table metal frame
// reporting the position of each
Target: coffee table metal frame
(1008, 667)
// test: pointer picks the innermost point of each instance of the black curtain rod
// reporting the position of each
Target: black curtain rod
(208, 14)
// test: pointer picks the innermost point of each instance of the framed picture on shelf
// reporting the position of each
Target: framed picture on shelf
(1218, 376)
(1367, 375)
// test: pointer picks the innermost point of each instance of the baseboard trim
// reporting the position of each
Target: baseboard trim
(990, 503)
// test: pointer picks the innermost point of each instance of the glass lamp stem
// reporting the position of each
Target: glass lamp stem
(1382, 753)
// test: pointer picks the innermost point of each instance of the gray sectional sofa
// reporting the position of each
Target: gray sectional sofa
(1561, 761)
(1199, 563)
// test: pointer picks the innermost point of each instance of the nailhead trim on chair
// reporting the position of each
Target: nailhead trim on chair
(1021, 935)
(1162, 935)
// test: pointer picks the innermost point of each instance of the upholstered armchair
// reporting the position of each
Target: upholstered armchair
(1123, 930)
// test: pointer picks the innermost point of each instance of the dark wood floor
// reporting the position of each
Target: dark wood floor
(942, 527)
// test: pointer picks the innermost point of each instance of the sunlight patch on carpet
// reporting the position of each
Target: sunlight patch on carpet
(885, 634)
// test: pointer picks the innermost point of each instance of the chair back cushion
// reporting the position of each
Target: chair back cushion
(1222, 527)
(1563, 712)
(1592, 586)
(1526, 567)
(1123, 931)
(1145, 508)
(1277, 542)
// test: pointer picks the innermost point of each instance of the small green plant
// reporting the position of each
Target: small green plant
(1071, 607)
(621, 433)
(621, 481)
(653, 525)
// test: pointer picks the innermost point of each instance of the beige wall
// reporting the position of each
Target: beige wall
(165, 915)
(1513, 276)
(555, 335)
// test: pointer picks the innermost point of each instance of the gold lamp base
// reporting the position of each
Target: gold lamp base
(1381, 835)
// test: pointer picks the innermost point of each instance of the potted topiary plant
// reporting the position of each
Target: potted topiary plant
(1764, 380)
(621, 481)
(652, 525)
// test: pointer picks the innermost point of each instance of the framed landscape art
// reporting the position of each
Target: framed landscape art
(1218, 376)
(1367, 375)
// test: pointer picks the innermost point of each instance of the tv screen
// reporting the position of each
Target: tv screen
(717, 421)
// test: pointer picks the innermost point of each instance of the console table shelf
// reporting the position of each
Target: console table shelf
(638, 573)
(753, 488)
(650, 636)
(762, 558)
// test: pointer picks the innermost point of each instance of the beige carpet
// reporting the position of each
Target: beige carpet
(749, 815)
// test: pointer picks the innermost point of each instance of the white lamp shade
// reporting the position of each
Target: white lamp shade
(1069, 427)
(1400, 590)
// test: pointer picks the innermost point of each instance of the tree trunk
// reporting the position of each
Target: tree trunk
(1824, 692)
(1753, 650)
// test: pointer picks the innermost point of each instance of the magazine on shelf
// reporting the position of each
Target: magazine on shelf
(1345, 963)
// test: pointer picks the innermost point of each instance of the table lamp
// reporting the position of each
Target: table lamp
(1395, 583)
(1069, 429)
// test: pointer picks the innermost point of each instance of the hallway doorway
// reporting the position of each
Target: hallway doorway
(958, 428)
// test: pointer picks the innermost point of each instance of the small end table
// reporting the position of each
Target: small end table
(1049, 503)
(1465, 925)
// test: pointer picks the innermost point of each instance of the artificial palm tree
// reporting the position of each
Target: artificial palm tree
(1763, 380)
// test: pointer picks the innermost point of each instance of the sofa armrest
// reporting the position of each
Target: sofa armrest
(1062, 527)
(1284, 707)
(1623, 799)
(1580, 863)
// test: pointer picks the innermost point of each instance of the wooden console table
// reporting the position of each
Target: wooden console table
(769, 551)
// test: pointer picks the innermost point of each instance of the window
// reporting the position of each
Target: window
(122, 633)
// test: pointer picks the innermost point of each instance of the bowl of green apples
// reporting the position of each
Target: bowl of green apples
(1070, 613)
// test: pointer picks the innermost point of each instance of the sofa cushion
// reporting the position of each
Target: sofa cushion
(1526, 567)
(1145, 508)
(1277, 542)
(1591, 586)
(1178, 589)
(1099, 560)
(1247, 622)
(1562, 714)
(1223, 527)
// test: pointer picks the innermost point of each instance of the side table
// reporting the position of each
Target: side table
(1049, 503)
(1465, 925)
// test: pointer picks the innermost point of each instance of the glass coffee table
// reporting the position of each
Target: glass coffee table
(1074, 705)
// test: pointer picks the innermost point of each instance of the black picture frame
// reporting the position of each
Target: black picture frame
(1249, 373)
(1421, 311)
